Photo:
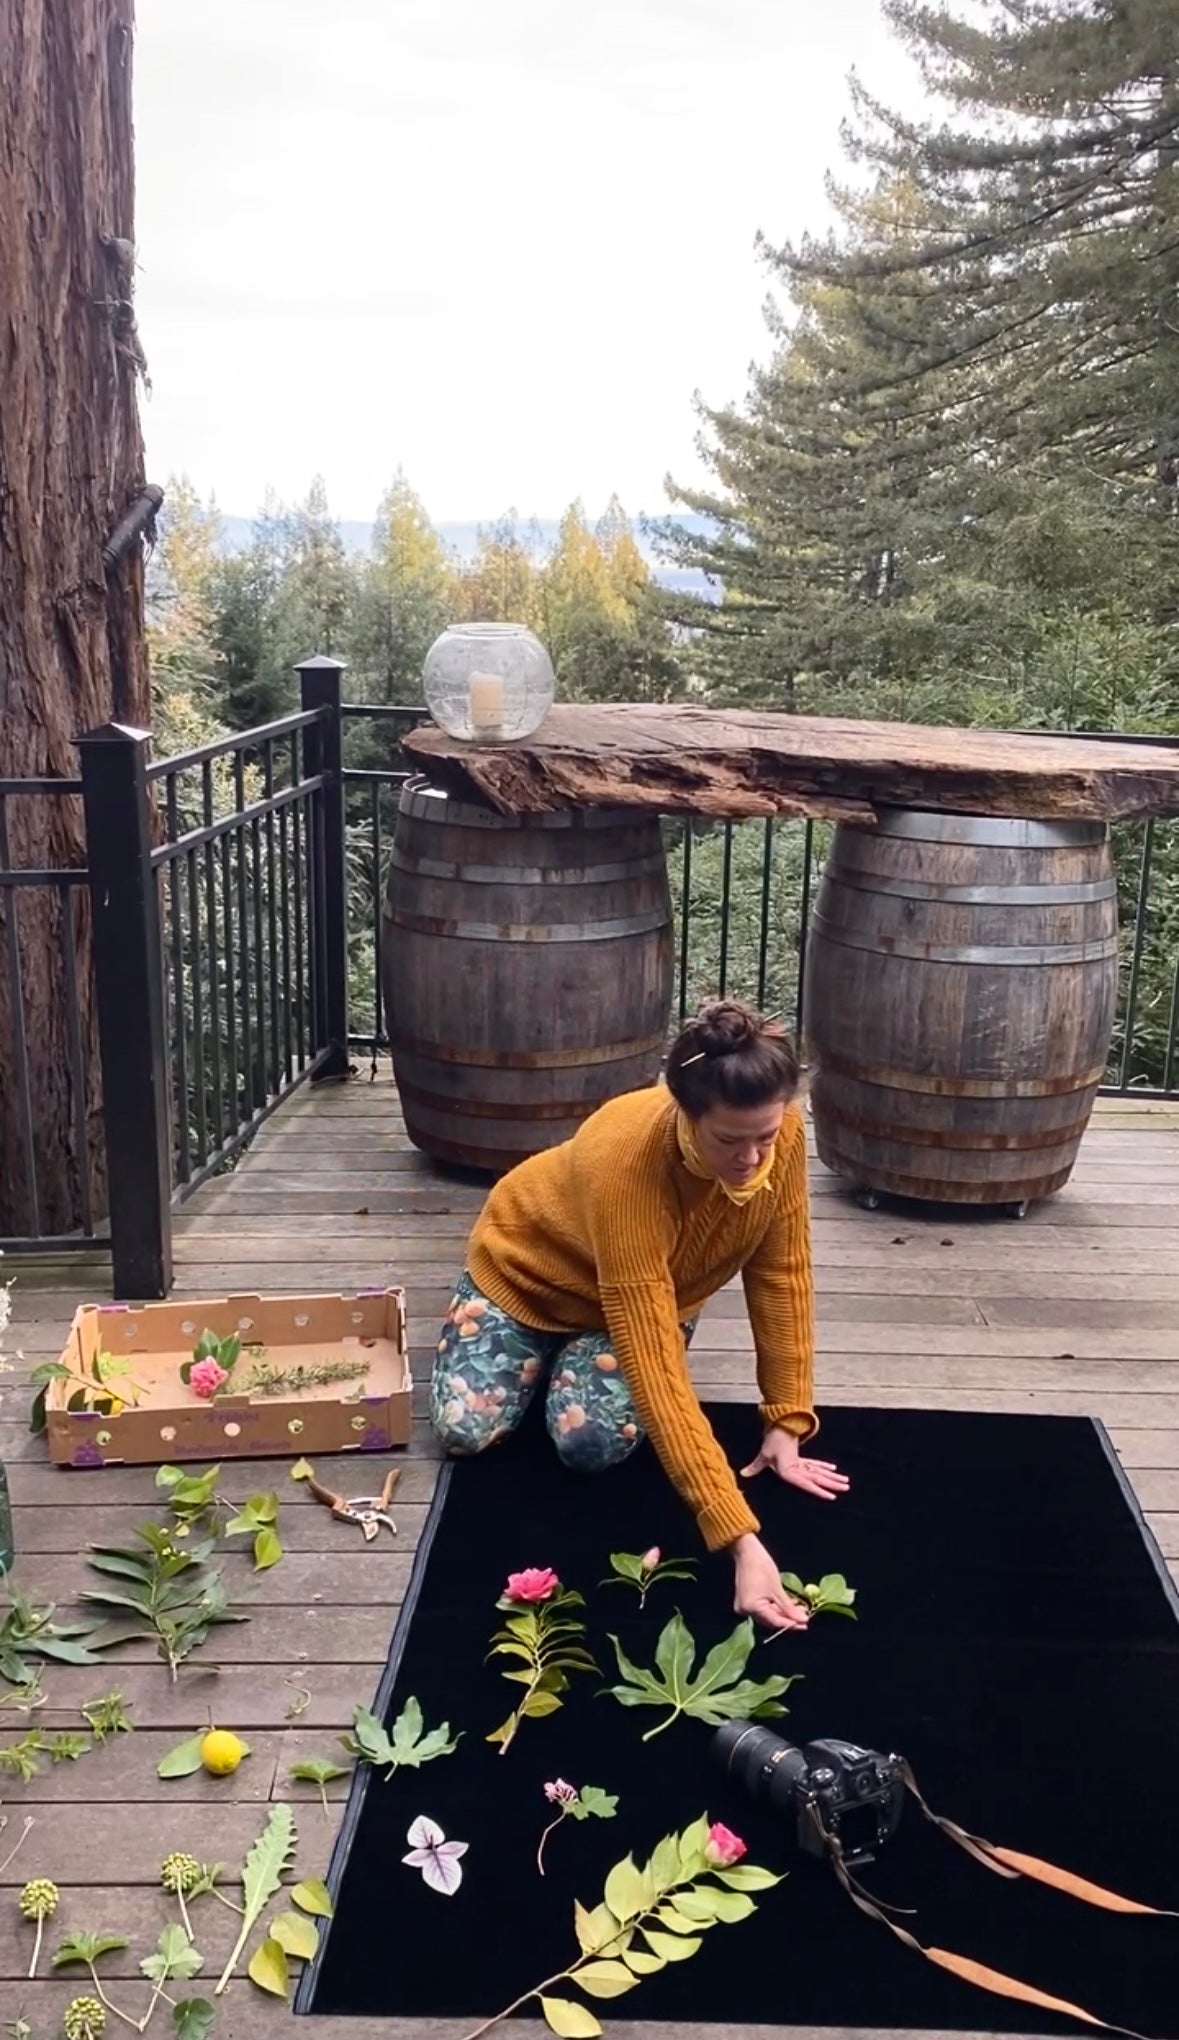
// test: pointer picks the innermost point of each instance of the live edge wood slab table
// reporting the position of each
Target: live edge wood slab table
(676, 759)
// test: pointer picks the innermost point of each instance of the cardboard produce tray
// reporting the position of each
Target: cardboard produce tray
(164, 1421)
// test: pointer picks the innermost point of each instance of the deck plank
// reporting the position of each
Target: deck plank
(1075, 1311)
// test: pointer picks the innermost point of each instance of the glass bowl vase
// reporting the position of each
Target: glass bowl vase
(488, 682)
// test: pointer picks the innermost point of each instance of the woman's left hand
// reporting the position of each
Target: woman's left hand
(780, 1454)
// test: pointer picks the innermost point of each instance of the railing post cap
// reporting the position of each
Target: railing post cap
(321, 663)
(114, 733)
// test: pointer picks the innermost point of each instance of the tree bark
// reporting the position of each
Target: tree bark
(72, 648)
(674, 759)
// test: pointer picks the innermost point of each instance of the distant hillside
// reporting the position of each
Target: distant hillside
(463, 540)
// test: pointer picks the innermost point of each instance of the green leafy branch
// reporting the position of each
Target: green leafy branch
(20, 1759)
(29, 1633)
(644, 1570)
(545, 1638)
(406, 1748)
(163, 1592)
(717, 1692)
(195, 1503)
(649, 1916)
(105, 1385)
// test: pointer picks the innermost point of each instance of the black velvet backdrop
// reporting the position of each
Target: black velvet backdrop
(1016, 1641)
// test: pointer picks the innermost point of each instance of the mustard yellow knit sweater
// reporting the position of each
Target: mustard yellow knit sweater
(611, 1231)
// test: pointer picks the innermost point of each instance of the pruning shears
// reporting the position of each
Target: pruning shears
(370, 1511)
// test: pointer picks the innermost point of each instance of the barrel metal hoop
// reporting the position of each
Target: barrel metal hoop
(890, 888)
(988, 831)
(946, 1190)
(513, 1109)
(508, 1059)
(927, 1085)
(427, 803)
(950, 1139)
(507, 932)
(524, 874)
(1040, 954)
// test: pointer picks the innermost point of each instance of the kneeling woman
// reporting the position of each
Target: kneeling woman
(589, 1263)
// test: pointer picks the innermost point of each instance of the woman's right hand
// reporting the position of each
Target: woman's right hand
(759, 1591)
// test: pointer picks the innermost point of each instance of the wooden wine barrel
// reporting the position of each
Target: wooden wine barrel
(961, 986)
(527, 971)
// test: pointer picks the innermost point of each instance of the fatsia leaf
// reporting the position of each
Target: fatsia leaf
(296, 1936)
(174, 1955)
(313, 1896)
(571, 2021)
(714, 1694)
(268, 1968)
(193, 2018)
(261, 1877)
(407, 1746)
(605, 1979)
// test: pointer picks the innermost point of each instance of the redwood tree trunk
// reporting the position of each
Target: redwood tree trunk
(72, 650)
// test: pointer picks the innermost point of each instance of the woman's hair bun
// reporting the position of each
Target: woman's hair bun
(730, 1055)
(723, 1026)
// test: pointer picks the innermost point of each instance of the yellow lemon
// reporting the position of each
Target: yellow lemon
(222, 1752)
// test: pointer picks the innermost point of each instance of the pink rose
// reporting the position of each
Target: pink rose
(206, 1378)
(560, 1793)
(535, 1583)
(650, 1559)
(723, 1847)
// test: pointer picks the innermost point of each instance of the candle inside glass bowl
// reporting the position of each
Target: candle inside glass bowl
(487, 683)
(485, 704)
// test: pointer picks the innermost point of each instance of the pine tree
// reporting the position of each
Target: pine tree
(407, 594)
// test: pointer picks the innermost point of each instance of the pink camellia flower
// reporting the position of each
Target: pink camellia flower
(560, 1793)
(535, 1583)
(723, 1847)
(650, 1559)
(206, 1378)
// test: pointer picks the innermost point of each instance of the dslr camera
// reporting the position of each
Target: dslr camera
(833, 1789)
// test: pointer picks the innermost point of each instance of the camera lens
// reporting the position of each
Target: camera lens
(765, 1765)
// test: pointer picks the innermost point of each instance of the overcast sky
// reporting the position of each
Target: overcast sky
(497, 243)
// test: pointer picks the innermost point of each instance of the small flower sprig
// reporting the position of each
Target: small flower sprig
(643, 1570)
(543, 1633)
(573, 1803)
(694, 1881)
(831, 1595)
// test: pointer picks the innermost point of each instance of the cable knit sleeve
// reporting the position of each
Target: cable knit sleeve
(631, 1240)
(780, 1293)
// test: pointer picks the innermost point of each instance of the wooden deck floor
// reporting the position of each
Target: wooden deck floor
(1076, 1310)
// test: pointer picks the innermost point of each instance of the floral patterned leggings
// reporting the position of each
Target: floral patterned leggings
(489, 1366)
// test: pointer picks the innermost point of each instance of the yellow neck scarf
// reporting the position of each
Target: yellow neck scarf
(737, 1193)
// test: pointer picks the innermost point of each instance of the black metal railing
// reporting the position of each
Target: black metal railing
(220, 947)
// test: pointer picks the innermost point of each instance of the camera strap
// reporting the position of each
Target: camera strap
(1010, 1863)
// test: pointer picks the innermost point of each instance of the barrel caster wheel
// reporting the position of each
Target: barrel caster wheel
(868, 1200)
(1019, 1210)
